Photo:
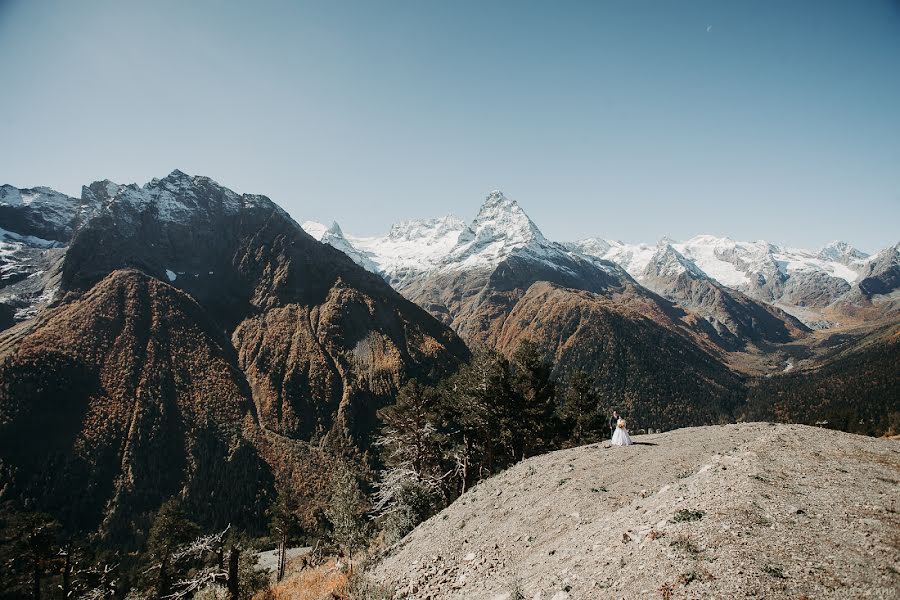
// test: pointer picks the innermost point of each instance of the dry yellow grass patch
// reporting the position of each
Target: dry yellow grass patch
(325, 582)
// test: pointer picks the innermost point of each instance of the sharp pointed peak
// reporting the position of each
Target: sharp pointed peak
(666, 242)
(177, 174)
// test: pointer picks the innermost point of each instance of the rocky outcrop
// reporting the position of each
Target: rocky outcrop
(882, 274)
(761, 510)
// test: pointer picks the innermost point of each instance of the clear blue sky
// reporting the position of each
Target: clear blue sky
(632, 120)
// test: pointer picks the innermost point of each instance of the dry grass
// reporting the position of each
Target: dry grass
(318, 583)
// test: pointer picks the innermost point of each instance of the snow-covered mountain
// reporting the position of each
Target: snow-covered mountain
(800, 281)
(409, 249)
(765, 271)
(39, 225)
(334, 237)
(499, 230)
(844, 253)
(733, 316)
(35, 226)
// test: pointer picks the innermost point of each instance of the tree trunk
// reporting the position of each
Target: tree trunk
(467, 450)
(162, 582)
(36, 568)
(233, 583)
(282, 551)
(67, 571)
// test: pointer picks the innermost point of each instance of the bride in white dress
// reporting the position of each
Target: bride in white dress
(620, 437)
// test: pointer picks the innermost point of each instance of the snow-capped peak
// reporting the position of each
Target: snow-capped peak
(596, 247)
(500, 227)
(502, 218)
(411, 247)
(315, 229)
(842, 252)
(322, 232)
(334, 229)
(13, 196)
(334, 237)
(669, 262)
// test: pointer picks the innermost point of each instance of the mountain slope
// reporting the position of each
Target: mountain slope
(854, 387)
(656, 374)
(504, 283)
(121, 399)
(755, 510)
(348, 339)
(198, 343)
(736, 318)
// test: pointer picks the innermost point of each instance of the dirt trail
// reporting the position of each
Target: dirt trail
(745, 511)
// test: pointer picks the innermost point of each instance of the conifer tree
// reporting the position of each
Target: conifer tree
(170, 529)
(534, 425)
(345, 512)
(478, 401)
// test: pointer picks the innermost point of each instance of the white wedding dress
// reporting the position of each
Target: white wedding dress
(620, 437)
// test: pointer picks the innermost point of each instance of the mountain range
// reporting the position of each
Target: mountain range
(803, 283)
(180, 338)
(671, 332)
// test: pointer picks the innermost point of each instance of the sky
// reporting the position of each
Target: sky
(627, 120)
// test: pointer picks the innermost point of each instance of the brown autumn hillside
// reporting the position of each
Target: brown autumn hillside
(201, 345)
(121, 399)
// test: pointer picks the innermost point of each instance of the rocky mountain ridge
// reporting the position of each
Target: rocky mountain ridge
(157, 285)
(802, 282)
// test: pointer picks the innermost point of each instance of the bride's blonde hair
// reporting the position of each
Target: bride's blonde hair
(620, 423)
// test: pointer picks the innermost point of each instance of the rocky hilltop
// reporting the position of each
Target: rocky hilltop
(751, 510)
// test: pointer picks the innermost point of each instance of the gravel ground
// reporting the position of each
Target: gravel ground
(744, 511)
(268, 560)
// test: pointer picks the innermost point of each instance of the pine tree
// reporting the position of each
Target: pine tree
(28, 553)
(283, 524)
(345, 512)
(410, 434)
(534, 425)
(478, 401)
(581, 409)
(170, 529)
(411, 445)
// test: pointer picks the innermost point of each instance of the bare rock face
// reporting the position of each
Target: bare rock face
(737, 319)
(813, 289)
(749, 510)
(882, 274)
